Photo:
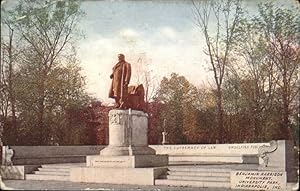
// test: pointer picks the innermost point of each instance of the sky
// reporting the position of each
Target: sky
(157, 36)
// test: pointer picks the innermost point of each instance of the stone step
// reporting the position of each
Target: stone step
(191, 183)
(62, 173)
(66, 164)
(178, 159)
(46, 177)
(198, 178)
(195, 169)
(195, 173)
(215, 167)
(48, 166)
(49, 160)
(54, 169)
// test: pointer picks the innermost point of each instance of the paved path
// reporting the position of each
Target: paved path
(60, 185)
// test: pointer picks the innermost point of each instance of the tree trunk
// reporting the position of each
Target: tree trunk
(285, 126)
(12, 98)
(41, 111)
(285, 131)
(221, 132)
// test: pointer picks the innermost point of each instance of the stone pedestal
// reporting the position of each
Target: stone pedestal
(127, 134)
(127, 159)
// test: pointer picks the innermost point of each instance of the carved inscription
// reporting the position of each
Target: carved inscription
(258, 180)
(110, 161)
(235, 147)
(192, 147)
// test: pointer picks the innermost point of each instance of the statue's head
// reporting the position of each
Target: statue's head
(121, 57)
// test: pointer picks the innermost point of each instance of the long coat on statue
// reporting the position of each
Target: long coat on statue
(120, 77)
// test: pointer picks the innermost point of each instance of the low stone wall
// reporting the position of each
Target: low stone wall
(213, 153)
(42, 151)
(29, 155)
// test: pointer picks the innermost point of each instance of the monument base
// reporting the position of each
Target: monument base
(135, 161)
(127, 159)
(137, 176)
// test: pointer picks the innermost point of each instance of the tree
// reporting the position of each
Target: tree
(219, 44)
(251, 77)
(47, 29)
(178, 96)
(64, 96)
(9, 58)
(268, 45)
(144, 76)
(248, 112)
(155, 122)
(47, 79)
(281, 30)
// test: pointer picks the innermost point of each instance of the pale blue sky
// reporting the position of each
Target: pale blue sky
(162, 33)
(109, 17)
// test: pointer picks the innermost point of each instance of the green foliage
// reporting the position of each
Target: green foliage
(48, 85)
(180, 100)
(267, 49)
(257, 80)
(277, 21)
(64, 90)
(171, 91)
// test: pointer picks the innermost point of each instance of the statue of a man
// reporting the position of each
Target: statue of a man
(120, 79)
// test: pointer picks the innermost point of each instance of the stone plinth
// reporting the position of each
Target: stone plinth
(135, 161)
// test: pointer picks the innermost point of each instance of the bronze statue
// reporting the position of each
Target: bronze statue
(136, 96)
(120, 79)
(125, 97)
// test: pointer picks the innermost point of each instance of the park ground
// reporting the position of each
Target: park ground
(66, 185)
